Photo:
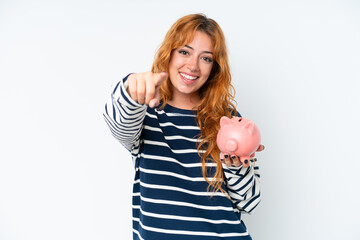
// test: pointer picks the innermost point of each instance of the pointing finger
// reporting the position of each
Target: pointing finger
(160, 78)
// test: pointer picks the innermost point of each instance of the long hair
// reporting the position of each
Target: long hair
(216, 95)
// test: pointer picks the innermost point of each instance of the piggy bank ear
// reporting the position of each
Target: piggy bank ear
(224, 121)
(250, 126)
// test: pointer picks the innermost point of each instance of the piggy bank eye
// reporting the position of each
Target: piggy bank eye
(240, 119)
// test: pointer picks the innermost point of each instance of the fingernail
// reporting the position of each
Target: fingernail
(233, 157)
(246, 161)
(226, 156)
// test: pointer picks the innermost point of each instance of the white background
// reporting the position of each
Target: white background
(296, 69)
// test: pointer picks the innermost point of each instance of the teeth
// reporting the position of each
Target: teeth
(188, 77)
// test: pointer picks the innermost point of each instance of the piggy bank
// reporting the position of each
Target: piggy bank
(238, 136)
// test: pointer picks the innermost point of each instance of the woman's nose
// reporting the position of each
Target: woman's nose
(193, 64)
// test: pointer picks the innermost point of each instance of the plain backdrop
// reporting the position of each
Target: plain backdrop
(296, 69)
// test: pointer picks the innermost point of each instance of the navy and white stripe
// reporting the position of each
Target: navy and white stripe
(170, 197)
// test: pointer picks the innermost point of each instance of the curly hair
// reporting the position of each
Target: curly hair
(216, 95)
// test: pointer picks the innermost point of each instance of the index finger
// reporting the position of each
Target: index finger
(160, 78)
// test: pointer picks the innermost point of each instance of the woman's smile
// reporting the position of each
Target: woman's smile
(188, 78)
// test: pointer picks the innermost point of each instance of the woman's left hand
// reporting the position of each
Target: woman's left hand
(230, 160)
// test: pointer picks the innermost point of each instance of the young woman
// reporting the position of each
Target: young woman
(168, 119)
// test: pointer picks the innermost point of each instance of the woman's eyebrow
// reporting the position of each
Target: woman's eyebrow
(203, 51)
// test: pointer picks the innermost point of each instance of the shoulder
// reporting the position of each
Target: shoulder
(234, 112)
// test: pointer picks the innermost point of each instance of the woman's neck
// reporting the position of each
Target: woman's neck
(185, 102)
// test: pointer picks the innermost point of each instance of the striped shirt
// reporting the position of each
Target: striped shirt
(170, 196)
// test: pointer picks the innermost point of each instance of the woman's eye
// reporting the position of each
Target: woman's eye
(207, 59)
(183, 52)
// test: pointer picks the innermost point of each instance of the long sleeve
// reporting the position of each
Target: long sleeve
(124, 116)
(243, 186)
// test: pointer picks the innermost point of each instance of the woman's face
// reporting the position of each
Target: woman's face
(190, 66)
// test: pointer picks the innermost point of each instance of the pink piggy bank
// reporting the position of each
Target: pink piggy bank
(238, 136)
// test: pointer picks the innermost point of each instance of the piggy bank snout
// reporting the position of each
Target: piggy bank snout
(231, 145)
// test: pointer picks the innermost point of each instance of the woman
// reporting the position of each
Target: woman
(168, 119)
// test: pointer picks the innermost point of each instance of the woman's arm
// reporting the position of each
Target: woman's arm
(243, 185)
(124, 116)
(126, 109)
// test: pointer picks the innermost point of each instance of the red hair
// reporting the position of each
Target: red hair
(216, 95)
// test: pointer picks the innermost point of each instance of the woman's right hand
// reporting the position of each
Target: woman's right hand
(144, 87)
